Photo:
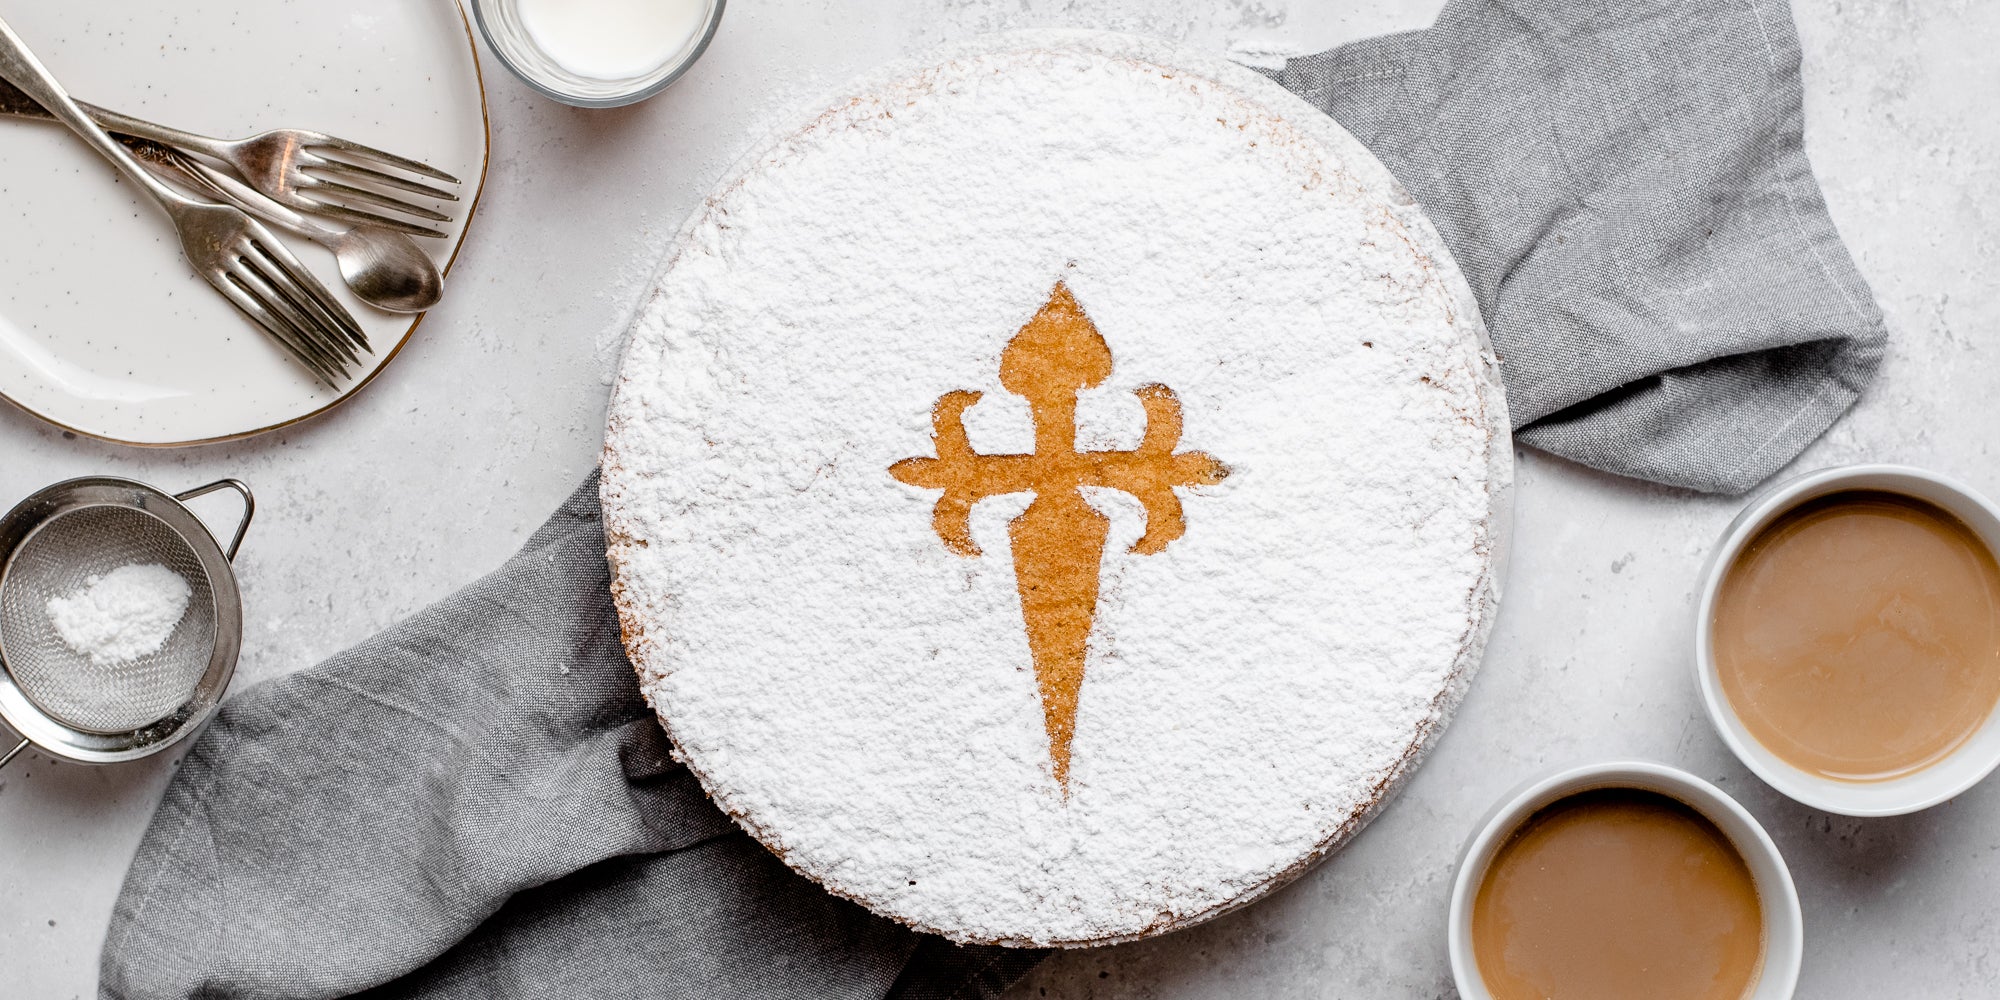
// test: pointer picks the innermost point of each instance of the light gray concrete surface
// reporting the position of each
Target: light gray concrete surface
(436, 472)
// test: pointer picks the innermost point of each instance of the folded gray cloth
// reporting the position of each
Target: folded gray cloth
(476, 804)
(1625, 185)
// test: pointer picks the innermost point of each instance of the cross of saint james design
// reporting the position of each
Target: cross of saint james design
(1058, 541)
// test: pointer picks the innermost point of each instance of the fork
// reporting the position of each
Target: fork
(232, 251)
(386, 269)
(292, 167)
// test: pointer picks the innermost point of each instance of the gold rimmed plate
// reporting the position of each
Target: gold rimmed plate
(103, 328)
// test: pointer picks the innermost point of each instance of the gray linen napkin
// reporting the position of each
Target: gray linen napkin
(476, 804)
(1625, 185)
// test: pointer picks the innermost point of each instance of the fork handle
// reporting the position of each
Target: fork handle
(19, 67)
(124, 124)
(15, 103)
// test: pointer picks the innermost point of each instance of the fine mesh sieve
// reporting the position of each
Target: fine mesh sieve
(61, 558)
(59, 542)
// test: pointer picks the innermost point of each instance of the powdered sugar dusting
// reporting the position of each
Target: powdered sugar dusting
(862, 699)
(122, 615)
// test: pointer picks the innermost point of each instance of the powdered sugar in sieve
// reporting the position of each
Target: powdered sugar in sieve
(56, 568)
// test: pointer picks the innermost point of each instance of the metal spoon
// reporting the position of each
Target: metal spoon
(387, 269)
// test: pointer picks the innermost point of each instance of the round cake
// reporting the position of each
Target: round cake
(1055, 490)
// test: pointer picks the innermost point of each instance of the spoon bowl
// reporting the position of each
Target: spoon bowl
(387, 269)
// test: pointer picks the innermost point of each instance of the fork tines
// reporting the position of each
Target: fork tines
(277, 293)
(355, 183)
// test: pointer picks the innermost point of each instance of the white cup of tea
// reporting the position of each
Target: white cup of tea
(1920, 786)
(1782, 950)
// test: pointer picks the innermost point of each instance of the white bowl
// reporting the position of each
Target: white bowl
(1921, 789)
(1784, 928)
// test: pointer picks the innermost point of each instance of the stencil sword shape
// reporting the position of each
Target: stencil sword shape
(1058, 542)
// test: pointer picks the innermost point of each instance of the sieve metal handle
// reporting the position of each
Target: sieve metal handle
(249, 511)
(18, 747)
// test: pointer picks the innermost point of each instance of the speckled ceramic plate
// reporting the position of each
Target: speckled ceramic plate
(103, 328)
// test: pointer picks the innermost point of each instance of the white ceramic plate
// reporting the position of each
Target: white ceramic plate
(103, 328)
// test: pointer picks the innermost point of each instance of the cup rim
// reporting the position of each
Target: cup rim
(1778, 896)
(1921, 789)
(543, 87)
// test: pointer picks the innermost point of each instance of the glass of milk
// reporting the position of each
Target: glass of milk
(598, 53)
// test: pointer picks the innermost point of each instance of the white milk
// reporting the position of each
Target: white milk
(611, 39)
